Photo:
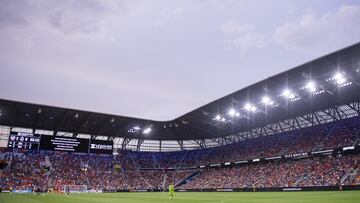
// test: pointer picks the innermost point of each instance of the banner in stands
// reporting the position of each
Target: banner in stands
(335, 151)
(101, 146)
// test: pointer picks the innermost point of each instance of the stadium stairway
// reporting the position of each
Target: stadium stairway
(321, 144)
(257, 182)
(88, 181)
(164, 181)
(50, 182)
(349, 175)
(141, 177)
(302, 177)
(354, 175)
(357, 141)
(48, 163)
(183, 157)
(47, 160)
(155, 161)
(10, 161)
(296, 140)
(187, 179)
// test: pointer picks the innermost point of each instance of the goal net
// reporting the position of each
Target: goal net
(75, 188)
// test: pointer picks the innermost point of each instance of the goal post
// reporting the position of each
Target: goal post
(75, 188)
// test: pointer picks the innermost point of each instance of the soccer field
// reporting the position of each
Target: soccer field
(188, 197)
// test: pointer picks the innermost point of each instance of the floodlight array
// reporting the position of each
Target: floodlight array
(345, 84)
(147, 130)
(318, 92)
(295, 99)
(217, 117)
(232, 112)
(134, 129)
(267, 101)
(249, 107)
(339, 79)
(137, 129)
(288, 94)
(311, 86)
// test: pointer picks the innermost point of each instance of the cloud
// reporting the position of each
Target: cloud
(168, 16)
(242, 37)
(69, 17)
(318, 34)
(12, 14)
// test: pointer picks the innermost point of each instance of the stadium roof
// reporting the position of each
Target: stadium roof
(320, 85)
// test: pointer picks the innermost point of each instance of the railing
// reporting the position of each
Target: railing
(189, 177)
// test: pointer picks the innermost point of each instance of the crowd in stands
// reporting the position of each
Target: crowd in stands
(29, 170)
(24, 171)
(327, 136)
(151, 170)
(326, 171)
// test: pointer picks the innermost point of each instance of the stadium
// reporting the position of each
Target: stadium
(292, 137)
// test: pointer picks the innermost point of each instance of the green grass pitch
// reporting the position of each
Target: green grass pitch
(188, 197)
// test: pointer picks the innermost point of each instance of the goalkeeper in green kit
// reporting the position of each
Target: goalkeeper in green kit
(171, 191)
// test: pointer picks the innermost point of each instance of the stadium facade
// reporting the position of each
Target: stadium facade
(323, 90)
(299, 129)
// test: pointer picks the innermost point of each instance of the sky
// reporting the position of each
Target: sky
(159, 59)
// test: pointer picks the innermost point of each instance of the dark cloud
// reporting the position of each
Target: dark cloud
(67, 16)
(13, 13)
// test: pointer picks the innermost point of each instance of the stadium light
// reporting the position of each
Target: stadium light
(339, 78)
(223, 119)
(249, 107)
(147, 131)
(134, 129)
(288, 94)
(253, 109)
(267, 101)
(311, 86)
(217, 117)
(232, 112)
